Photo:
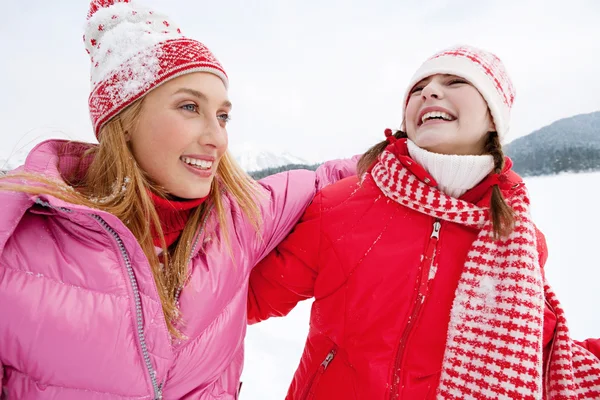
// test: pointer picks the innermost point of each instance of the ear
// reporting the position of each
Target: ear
(127, 136)
(491, 124)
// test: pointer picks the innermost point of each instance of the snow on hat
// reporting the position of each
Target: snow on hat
(483, 70)
(133, 50)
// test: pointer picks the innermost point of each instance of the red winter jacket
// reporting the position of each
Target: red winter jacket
(358, 253)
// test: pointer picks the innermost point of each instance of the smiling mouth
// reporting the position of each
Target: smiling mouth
(436, 115)
(199, 164)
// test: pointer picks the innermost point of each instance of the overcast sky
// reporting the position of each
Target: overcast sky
(318, 78)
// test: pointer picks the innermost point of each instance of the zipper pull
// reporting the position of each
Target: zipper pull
(436, 230)
(159, 393)
(328, 359)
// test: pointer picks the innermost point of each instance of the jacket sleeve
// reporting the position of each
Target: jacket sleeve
(288, 274)
(287, 196)
(592, 345)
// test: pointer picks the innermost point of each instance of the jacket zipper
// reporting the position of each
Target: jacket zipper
(136, 294)
(157, 388)
(423, 287)
(314, 380)
(546, 372)
(138, 306)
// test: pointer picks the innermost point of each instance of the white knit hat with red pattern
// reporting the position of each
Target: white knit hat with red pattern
(133, 50)
(483, 70)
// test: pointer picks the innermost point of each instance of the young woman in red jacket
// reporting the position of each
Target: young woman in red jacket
(427, 270)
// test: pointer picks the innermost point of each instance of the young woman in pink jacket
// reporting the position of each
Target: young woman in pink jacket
(124, 265)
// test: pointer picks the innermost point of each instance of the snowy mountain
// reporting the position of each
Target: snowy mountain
(567, 145)
(251, 158)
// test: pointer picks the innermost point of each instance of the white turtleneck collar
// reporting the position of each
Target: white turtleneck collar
(454, 174)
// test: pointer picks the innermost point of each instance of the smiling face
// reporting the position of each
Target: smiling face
(181, 134)
(445, 114)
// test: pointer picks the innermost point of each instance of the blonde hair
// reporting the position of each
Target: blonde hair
(501, 214)
(115, 183)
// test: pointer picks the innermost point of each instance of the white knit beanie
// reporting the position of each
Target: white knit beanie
(133, 50)
(483, 70)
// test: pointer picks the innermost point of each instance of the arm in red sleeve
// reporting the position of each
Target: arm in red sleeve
(549, 316)
(287, 275)
(592, 345)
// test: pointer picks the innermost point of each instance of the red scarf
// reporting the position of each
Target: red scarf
(494, 340)
(173, 216)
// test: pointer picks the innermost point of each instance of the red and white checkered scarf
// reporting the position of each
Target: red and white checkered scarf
(494, 341)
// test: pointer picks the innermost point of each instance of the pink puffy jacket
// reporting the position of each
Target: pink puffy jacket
(80, 316)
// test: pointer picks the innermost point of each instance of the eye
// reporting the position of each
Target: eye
(225, 118)
(457, 81)
(190, 107)
(417, 89)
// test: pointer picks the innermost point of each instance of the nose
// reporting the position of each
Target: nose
(432, 90)
(213, 134)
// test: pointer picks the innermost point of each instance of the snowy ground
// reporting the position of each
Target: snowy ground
(565, 207)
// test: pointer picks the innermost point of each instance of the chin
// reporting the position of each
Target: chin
(427, 143)
(190, 194)
(194, 195)
(438, 148)
(432, 141)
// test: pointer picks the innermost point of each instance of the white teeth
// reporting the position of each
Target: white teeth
(436, 114)
(202, 164)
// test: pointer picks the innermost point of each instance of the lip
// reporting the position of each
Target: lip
(200, 157)
(433, 109)
(203, 173)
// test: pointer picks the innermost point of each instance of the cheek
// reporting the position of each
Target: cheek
(225, 142)
(476, 105)
(154, 143)
(165, 135)
(410, 115)
(482, 117)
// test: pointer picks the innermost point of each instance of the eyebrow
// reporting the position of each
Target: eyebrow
(431, 77)
(201, 96)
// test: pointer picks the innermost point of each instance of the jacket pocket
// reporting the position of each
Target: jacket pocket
(313, 382)
(421, 386)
